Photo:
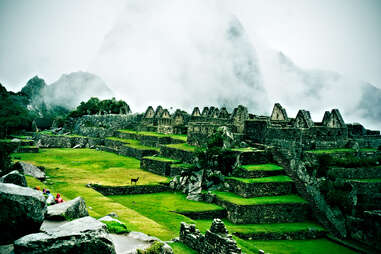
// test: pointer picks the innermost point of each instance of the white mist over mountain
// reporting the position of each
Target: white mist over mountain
(196, 54)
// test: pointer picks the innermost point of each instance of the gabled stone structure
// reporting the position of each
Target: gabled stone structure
(239, 116)
(196, 112)
(205, 112)
(278, 113)
(224, 114)
(178, 118)
(303, 119)
(150, 113)
(159, 111)
(333, 119)
(214, 112)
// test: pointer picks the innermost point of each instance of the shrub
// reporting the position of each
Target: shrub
(155, 248)
(116, 227)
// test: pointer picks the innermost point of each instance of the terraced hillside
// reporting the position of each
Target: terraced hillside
(260, 207)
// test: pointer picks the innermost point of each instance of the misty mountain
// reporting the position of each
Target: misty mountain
(164, 54)
(195, 60)
(71, 89)
(320, 90)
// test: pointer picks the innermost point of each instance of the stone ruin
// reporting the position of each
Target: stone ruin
(216, 240)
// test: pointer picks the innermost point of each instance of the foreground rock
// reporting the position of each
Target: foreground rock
(21, 211)
(72, 209)
(85, 235)
(14, 177)
(29, 169)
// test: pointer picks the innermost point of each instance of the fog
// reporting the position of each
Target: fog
(303, 54)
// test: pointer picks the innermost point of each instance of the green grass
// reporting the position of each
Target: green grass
(182, 165)
(69, 171)
(269, 179)
(262, 167)
(236, 199)
(340, 150)
(180, 248)
(163, 159)
(315, 246)
(245, 149)
(164, 208)
(369, 180)
(183, 146)
(182, 137)
(203, 225)
(134, 144)
(116, 227)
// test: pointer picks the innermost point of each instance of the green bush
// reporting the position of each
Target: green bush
(155, 248)
(116, 227)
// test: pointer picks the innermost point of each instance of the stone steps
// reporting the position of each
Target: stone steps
(258, 187)
(252, 156)
(158, 165)
(258, 170)
(27, 149)
(259, 210)
(153, 139)
(182, 152)
(278, 231)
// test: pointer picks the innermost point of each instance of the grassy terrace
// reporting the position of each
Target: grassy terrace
(182, 137)
(262, 167)
(69, 135)
(340, 150)
(181, 165)
(163, 159)
(246, 149)
(370, 180)
(203, 225)
(164, 208)
(183, 146)
(236, 199)
(269, 179)
(133, 144)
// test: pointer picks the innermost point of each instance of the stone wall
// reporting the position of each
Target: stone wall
(248, 190)
(205, 215)
(157, 166)
(177, 154)
(104, 125)
(199, 132)
(258, 214)
(216, 240)
(63, 141)
(127, 190)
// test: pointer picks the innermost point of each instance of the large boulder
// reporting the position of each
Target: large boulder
(21, 211)
(85, 235)
(14, 177)
(29, 169)
(72, 209)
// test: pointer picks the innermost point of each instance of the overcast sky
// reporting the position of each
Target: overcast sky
(48, 38)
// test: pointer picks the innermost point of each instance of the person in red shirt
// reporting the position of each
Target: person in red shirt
(58, 198)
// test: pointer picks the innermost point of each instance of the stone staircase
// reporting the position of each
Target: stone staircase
(261, 203)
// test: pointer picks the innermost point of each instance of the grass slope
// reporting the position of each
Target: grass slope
(262, 167)
(269, 179)
(133, 143)
(236, 199)
(182, 137)
(183, 146)
(162, 208)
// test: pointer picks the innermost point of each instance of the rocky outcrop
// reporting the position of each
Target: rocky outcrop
(22, 211)
(29, 169)
(165, 249)
(72, 209)
(216, 240)
(14, 177)
(85, 235)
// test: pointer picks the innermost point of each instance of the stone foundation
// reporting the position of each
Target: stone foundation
(157, 166)
(127, 190)
(177, 154)
(216, 240)
(248, 190)
(263, 214)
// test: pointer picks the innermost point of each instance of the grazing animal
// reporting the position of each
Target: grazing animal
(135, 180)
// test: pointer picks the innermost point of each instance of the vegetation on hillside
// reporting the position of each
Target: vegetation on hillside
(95, 106)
